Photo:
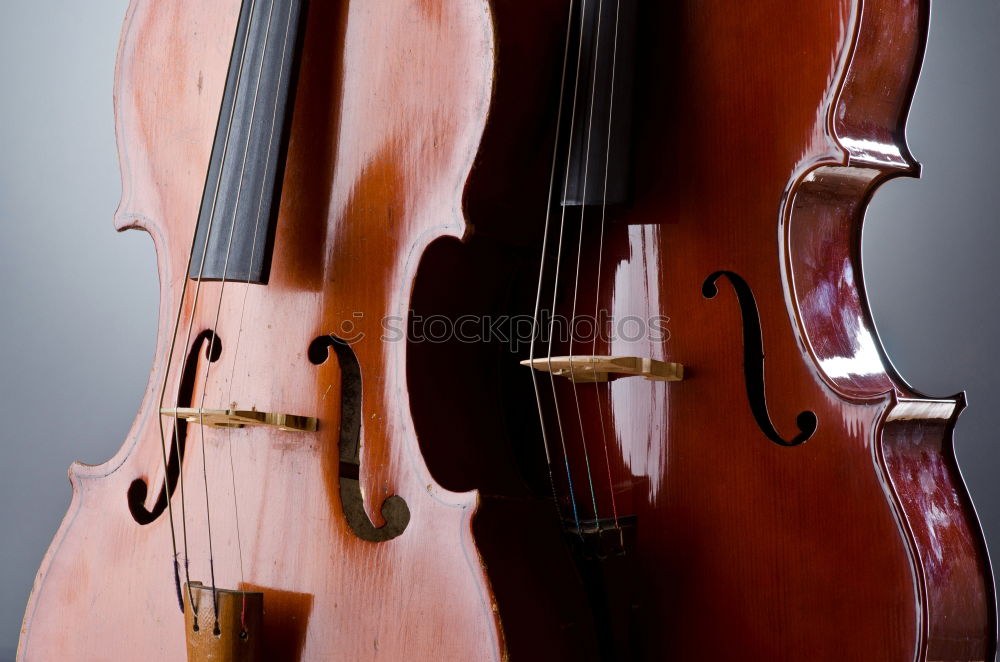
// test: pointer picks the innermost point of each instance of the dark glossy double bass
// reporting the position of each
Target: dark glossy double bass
(741, 471)
(777, 490)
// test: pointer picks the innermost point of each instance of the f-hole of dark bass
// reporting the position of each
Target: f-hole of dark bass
(753, 361)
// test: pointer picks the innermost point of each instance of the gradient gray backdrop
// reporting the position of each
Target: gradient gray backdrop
(79, 302)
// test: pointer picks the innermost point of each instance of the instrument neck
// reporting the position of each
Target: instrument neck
(239, 207)
(598, 116)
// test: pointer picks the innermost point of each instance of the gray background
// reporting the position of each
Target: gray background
(79, 302)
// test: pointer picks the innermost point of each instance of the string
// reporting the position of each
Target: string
(222, 287)
(169, 495)
(600, 254)
(538, 302)
(562, 225)
(187, 340)
(579, 245)
(239, 333)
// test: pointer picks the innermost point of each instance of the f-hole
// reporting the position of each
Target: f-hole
(139, 490)
(753, 361)
(394, 508)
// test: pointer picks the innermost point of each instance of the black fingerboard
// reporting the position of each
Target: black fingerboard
(239, 208)
(598, 103)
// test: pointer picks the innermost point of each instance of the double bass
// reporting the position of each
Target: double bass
(739, 470)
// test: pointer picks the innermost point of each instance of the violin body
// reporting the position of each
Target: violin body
(390, 105)
(792, 498)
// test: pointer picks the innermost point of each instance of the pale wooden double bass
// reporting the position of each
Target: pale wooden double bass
(272, 481)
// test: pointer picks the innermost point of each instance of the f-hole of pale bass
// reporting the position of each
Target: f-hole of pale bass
(177, 438)
(394, 508)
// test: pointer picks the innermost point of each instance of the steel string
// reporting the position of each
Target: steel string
(555, 286)
(538, 300)
(239, 333)
(579, 246)
(187, 341)
(600, 255)
(222, 287)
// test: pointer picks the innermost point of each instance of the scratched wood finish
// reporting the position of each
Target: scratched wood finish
(761, 131)
(392, 98)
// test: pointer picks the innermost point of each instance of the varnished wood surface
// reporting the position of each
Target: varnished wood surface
(391, 104)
